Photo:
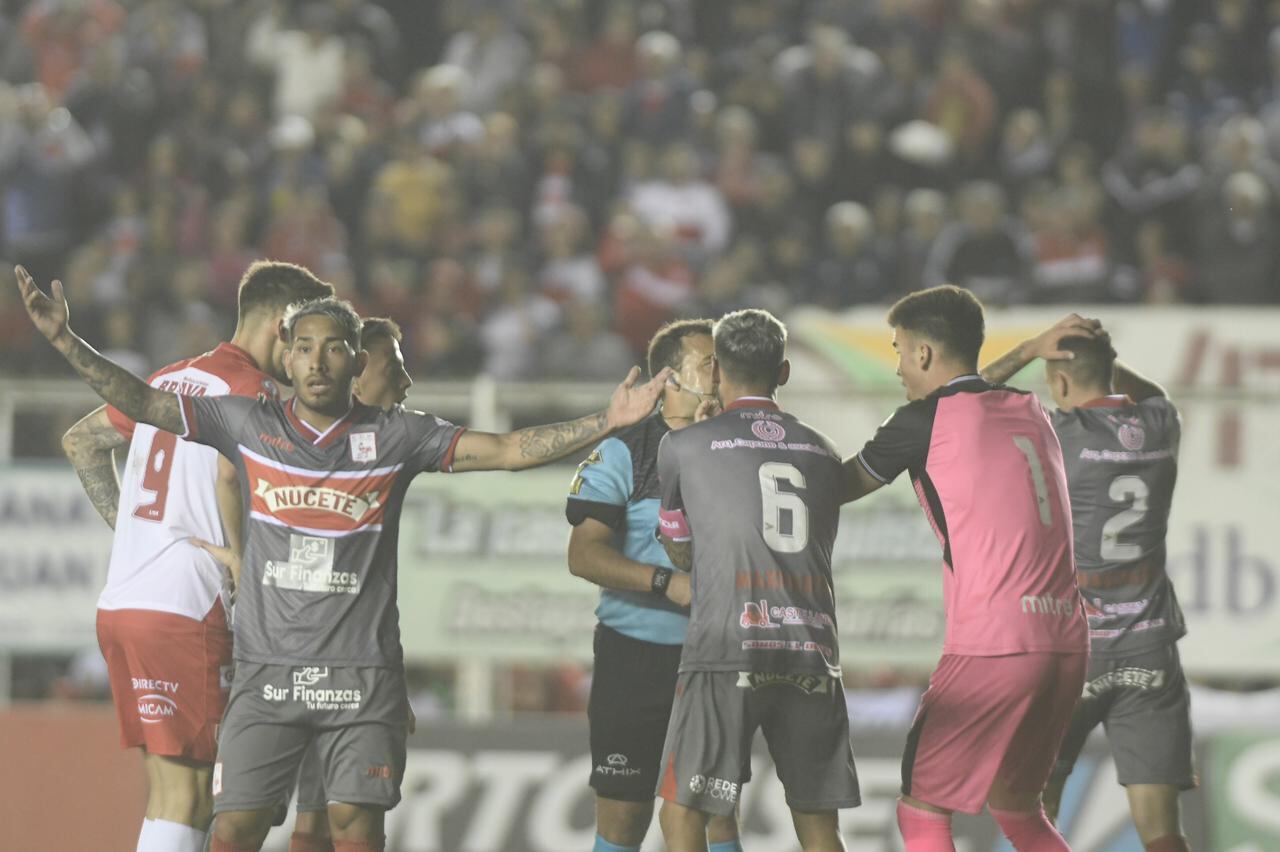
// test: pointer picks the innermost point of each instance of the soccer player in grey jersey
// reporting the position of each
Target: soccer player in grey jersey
(1120, 434)
(317, 629)
(750, 504)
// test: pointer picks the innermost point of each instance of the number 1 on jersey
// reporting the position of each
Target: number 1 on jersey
(1028, 449)
(775, 502)
(155, 478)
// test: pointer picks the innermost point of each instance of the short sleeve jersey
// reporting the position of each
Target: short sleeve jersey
(757, 492)
(1122, 463)
(167, 496)
(318, 583)
(987, 468)
(617, 485)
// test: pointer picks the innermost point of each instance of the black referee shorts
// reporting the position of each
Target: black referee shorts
(632, 690)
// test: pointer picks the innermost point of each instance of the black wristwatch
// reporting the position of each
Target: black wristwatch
(661, 579)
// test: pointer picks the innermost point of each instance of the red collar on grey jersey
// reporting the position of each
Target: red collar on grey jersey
(323, 439)
(753, 402)
(1115, 400)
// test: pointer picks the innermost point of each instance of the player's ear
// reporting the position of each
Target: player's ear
(924, 356)
(362, 361)
(784, 372)
(715, 372)
(281, 331)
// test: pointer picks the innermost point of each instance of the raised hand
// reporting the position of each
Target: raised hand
(49, 314)
(1047, 344)
(630, 402)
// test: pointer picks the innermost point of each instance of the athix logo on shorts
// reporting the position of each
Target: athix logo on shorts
(715, 788)
(305, 690)
(615, 766)
(335, 502)
(310, 568)
(767, 430)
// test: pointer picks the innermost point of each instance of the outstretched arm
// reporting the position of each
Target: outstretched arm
(539, 445)
(1043, 345)
(116, 385)
(90, 446)
(1134, 385)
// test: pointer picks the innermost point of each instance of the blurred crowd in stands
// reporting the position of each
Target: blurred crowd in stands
(530, 187)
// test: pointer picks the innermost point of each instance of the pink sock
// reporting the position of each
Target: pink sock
(925, 831)
(1030, 831)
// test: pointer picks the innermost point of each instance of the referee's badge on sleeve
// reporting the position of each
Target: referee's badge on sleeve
(364, 446)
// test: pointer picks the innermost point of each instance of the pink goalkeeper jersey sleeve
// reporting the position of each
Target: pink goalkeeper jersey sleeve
(988, 470)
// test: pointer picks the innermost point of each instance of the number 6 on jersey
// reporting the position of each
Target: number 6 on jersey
(775, 502)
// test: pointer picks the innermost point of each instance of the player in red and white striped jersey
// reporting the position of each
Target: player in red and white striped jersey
(162, 621)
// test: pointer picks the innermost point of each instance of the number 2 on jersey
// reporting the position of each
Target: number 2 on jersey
(776, 502)
(1028, 449)
(1124, 488)
(155, 478)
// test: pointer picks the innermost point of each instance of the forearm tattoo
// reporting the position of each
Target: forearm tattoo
(118, 387)
(102, 484)
(541, 444)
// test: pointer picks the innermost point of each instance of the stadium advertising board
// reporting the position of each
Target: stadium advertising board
(523, 788)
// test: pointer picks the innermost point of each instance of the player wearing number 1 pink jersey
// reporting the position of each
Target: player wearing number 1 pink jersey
(988, 471)
(162, 622)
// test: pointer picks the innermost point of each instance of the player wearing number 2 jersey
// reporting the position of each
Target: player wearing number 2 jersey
(1120, 436)
(751, 504)
(162, 622)
(987, 469)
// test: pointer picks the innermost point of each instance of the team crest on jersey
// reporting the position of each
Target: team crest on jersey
(1132, 435)
(364, 446)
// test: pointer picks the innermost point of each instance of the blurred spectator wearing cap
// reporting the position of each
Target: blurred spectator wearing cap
(436, 111)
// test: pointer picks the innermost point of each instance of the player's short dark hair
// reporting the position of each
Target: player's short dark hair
(948, 316)
(751, 345)
(338, 310)
(1095, 363)
(275, 285)
(667, 345)
(379, 328)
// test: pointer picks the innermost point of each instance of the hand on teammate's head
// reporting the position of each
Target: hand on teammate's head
(1047, 344)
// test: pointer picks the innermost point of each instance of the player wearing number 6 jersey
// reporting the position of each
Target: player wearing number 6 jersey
(1120, 436)
(162, 624)
(988, 471)
(751, 504)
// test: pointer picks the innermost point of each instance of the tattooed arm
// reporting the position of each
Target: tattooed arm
(1043, 345)
(539, 445)
(116, 385)
(90, 446)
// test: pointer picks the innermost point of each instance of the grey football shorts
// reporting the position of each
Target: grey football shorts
(707, 756)
(1143, 702)
(352, 718)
